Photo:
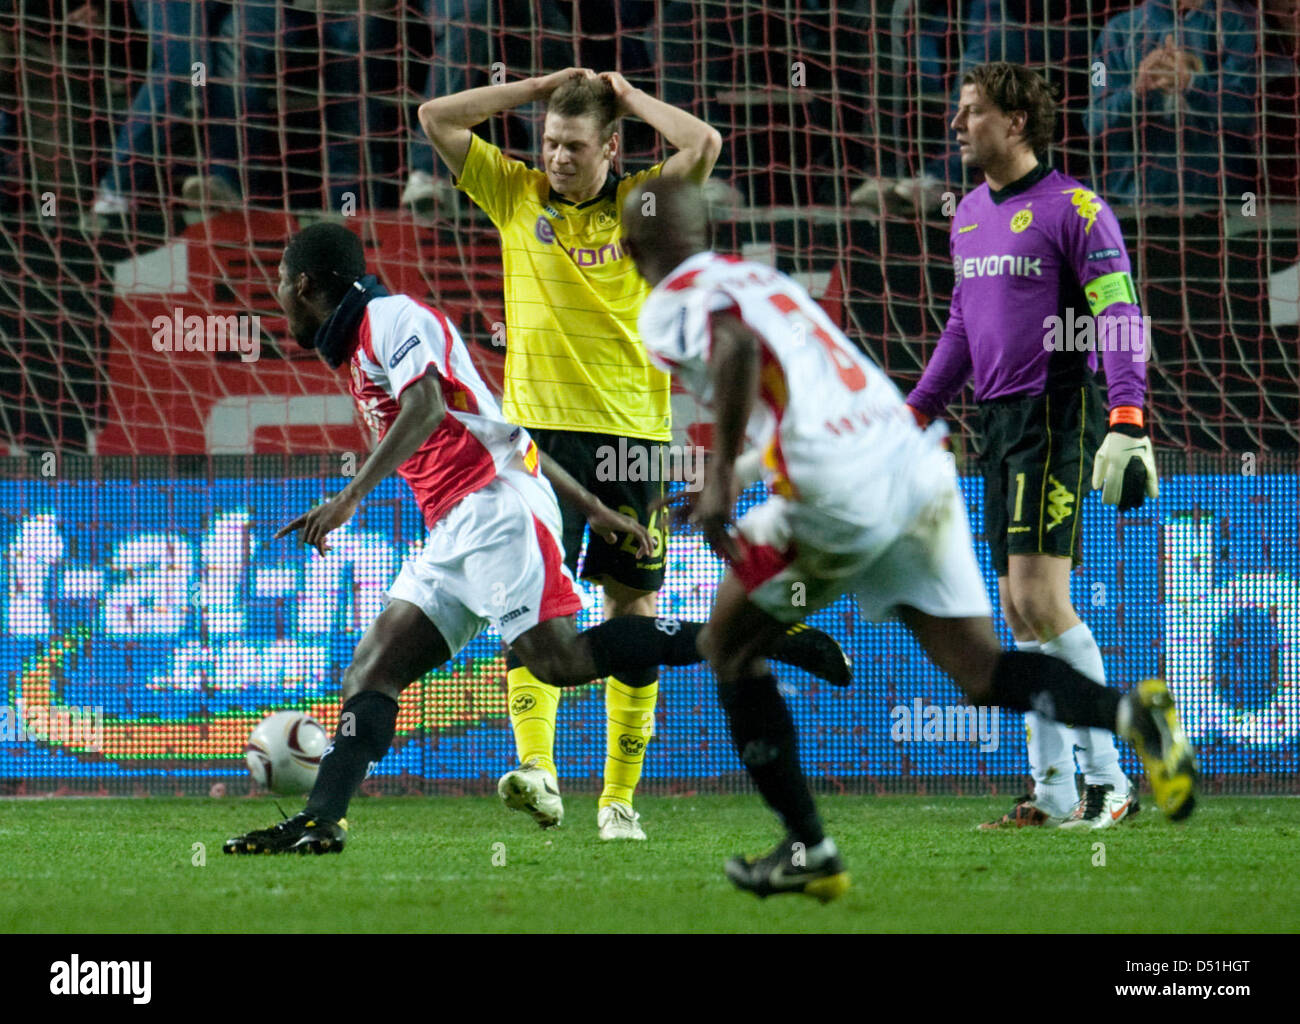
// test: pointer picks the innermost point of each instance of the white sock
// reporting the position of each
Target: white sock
(1098, 758)
(1051, 757)
(822, 852)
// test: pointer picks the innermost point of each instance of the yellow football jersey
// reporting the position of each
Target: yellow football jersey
(574, 359)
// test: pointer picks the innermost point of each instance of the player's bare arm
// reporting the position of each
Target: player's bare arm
(602, 519)
(697, 144)
(746, 470)
(447, 120)
(733, 369)
(422, 409)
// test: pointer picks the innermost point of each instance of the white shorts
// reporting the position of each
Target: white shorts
(797, 561)
(494, 559)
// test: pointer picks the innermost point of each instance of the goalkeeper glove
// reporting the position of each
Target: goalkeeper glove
(1125, 468)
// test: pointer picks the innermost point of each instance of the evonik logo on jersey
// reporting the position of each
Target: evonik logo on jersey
(545, 233)
(998, 265)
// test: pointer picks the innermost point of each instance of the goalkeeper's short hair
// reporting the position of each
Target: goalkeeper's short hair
(582, 97)
(1011, 87)
(331, 255)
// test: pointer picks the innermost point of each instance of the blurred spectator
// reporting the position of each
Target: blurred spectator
(775, 129)
(467, 44)
(1175, 117)
(263, 43)
(1280, 109)
(1036, 32)
(181, 34)
(10, 172)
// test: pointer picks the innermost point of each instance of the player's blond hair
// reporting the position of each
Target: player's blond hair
(1014, 87)
(582, 97)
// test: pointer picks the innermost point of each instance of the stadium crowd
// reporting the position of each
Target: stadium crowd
(123, 104)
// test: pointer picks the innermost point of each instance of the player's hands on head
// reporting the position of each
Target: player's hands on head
(621, 86)
(607, 523)
(314, 526)
(549, 83)
(1125, 468)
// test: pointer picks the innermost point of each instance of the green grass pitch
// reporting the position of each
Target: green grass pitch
(465, 864)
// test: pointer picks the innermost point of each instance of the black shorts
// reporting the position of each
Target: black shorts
(625, 490)
(1036, 456)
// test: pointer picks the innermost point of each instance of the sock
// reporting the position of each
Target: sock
(822, 852)
(629, 724)
(632, 647)
(763, 734)
(1051, 757)
(1098, 758)
(533, 706)
(630, 644)
(365, 732)
(1047, 685)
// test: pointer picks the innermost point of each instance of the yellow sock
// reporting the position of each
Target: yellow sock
(532, 705)
(629, 724)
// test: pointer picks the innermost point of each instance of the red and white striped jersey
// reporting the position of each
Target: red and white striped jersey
(830, 423)
(400, 341)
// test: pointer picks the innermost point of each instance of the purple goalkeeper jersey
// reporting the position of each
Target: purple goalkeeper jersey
(1043, 284)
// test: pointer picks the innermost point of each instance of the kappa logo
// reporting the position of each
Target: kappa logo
(1060, 502)
(631, 745)
(1086, 205)
(669, 626)
(522, 702)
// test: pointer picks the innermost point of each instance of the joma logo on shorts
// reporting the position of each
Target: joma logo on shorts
(510, 616)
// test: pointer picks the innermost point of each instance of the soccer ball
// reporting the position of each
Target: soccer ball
(284, 752)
